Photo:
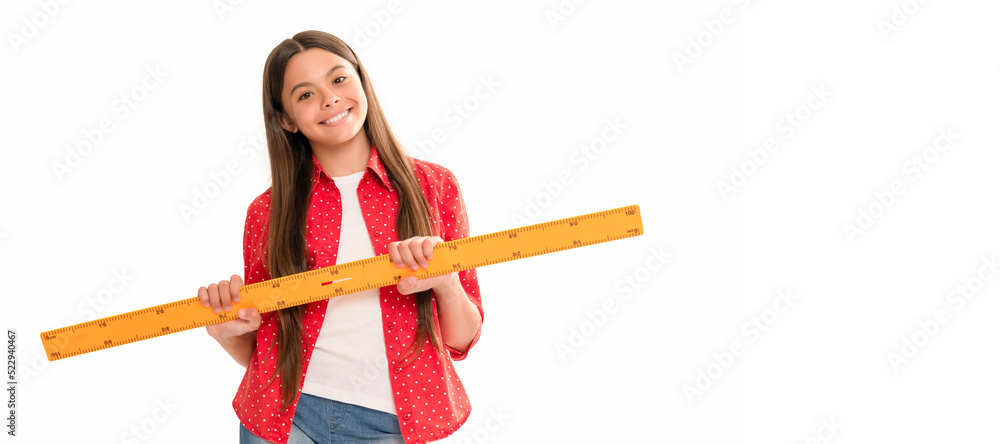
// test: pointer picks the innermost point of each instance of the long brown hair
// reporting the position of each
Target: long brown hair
(291, 174)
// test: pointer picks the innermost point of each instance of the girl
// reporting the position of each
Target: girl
(372, 366)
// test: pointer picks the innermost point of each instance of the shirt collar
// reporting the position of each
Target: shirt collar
(374, 164)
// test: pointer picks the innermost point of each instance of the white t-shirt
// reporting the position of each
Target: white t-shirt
(349, 362)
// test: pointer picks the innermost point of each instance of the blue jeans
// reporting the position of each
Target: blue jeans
(320, 420)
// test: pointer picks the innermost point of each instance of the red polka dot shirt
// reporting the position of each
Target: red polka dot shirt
(431, 402)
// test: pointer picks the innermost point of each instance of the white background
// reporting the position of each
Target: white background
(552, 365)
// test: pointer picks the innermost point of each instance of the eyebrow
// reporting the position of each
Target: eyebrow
(328, 74)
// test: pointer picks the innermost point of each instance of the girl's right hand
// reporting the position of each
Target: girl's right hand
(220, 297)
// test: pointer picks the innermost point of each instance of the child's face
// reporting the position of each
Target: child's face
(319, 87)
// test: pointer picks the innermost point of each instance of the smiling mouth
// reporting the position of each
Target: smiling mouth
(337, 118)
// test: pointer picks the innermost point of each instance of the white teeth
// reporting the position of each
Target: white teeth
(338, 117)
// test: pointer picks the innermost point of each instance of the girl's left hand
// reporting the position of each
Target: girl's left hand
(414, 253)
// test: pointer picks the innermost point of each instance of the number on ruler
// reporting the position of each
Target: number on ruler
(278, 297)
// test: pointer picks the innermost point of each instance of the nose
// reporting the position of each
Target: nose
(330, 98)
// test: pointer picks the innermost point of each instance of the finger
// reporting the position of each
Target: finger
(255, 318)
(394, 254)
(406, 284)
(203, 296)
(417, 251)
(429, 246)
(406, 256)
(224, 297)
(251, 316)
(213, 297)
(235, 282)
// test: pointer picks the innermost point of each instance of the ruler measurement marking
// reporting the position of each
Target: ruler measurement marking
(301, 288)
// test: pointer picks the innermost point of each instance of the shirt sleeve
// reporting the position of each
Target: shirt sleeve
(254, 242)
(456, 226)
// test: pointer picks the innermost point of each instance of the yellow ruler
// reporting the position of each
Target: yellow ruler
(346, 278)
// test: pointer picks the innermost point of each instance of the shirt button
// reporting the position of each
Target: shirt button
(391, 324)
(377, 233)
(367, 195)
(406, 417)
(397, 370)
